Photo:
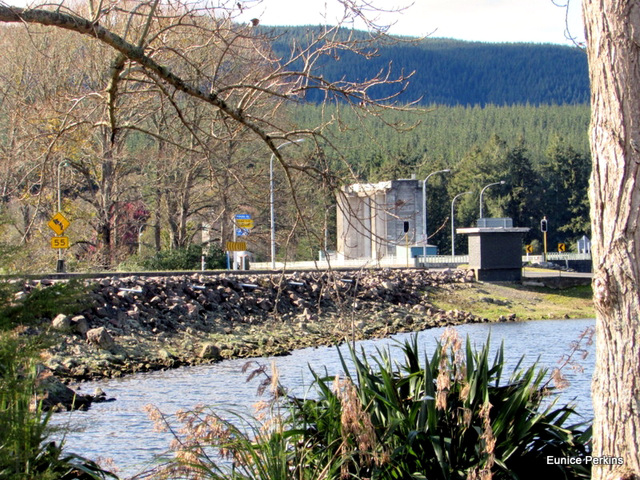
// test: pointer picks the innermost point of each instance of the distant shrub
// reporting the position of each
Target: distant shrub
(188, 258)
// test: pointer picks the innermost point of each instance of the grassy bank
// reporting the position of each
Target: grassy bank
(492, 300)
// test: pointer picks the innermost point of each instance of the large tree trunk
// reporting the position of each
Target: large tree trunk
(613, 46)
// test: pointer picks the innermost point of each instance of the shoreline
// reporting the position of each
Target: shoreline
(139, 324)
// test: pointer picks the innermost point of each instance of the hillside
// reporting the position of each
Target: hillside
(453, 72)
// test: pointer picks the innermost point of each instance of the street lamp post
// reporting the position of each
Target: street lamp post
(271, 203)
(453, 231)
(501, 182)
(424, 204)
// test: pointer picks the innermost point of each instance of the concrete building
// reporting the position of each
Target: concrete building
(373, 220)
(495, 249)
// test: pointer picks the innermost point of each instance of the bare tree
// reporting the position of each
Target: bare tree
(181, 49)
(33, 121)
(613, 48)
(287, 79)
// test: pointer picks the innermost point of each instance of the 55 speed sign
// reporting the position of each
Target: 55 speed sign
(59, 242)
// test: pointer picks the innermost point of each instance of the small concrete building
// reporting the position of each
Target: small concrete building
(373, 219)
(495, 250)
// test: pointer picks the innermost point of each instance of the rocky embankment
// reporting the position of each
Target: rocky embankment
(147, 323)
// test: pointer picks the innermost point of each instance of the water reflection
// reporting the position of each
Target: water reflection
(121, 430)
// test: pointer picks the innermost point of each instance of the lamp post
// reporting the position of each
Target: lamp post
(271, 203)
(501, 182)
(424, 202)
(453, 231)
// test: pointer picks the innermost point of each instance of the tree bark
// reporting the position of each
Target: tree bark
(613, 48)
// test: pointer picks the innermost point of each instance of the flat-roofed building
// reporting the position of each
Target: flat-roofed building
(373, 219)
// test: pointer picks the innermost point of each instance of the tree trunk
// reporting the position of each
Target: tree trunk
(157, 222)
(613, 47)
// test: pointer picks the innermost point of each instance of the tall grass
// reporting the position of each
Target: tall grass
(26, 451)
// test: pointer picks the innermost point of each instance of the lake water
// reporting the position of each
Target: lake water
(121, 430)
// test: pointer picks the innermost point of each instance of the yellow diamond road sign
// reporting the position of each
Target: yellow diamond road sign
(58, 223)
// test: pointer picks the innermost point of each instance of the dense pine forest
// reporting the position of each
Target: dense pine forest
(453, 72)
(444, 135)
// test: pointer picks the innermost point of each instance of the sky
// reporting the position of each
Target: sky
(537, 21)
(509, 21)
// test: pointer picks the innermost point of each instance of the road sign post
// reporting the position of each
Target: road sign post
(236, 246)
(59, 242)
(243, 223)
(59, 224)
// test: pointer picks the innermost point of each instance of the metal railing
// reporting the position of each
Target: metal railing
(435, 261)
(443, 259)
(568, 256)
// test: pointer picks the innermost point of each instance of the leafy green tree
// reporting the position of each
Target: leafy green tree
(566, 201)
(521, 201)
(479, 167)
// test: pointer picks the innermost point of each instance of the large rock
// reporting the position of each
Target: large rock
(80, 325)
(55, 394)
(209, 352)
(101, 338)
(61, 322)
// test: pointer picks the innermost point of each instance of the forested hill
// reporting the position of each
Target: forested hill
(453, 72)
